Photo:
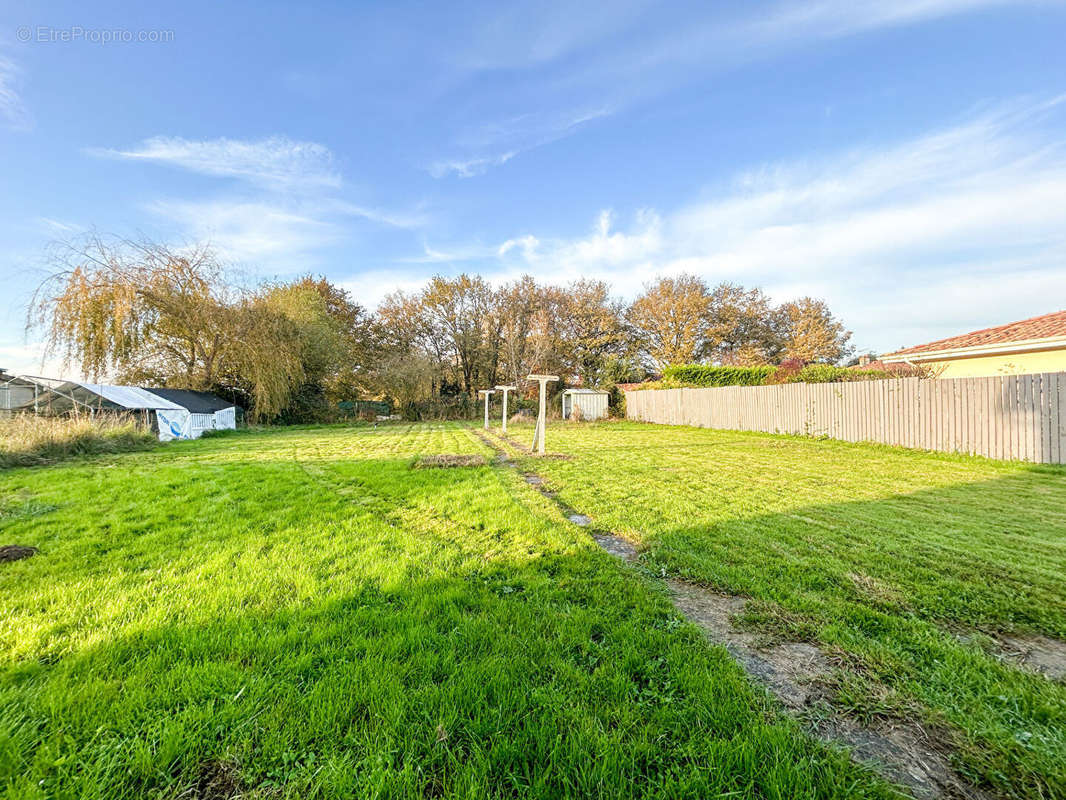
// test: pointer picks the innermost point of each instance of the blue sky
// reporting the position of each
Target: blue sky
(904, 160)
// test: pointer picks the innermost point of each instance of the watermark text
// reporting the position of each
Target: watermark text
(48, 34)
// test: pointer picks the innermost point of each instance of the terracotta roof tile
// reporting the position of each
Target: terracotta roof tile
(1042, 327)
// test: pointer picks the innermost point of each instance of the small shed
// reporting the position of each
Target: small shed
(200, 411)
(588, 403)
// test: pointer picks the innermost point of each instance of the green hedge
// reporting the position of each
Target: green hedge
(703, 375)
(706, 375)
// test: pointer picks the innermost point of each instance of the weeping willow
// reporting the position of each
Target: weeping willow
(143, 312)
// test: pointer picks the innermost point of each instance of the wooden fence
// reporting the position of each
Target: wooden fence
(1019, 417)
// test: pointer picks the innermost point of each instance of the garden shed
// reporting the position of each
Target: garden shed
(200, 411)
(585, 403)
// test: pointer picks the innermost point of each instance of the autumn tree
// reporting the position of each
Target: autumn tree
(671, 320)
(590, 328)
(744, 327)
(527, 326)
(134, 308)
(811, 332)
(334, 338)
(458, 315)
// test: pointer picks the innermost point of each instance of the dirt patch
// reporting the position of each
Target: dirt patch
(791, 670)
(796, 673)
(219, 780)
(533, 480)
(1040, 653)
(16, 552)
(904, 753)
(579, 519)
(449, 461)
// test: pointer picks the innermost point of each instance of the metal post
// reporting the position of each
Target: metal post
(538, 435)
(486, 392)
(505, 390)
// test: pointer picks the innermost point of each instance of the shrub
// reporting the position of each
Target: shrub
(827, 373)
(706, 375)
(789, 371)
(29, 440)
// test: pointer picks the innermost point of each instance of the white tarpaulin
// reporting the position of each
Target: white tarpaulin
(132, 397)
(182, 424)
(175, 424)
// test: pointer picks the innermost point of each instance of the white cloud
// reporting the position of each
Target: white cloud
(277, 161)
(962, 227)
(835, 18)
(382, 216)
(607, 57)
(12, 109)
(58, 227)
(468, 168)
(505, 139)
(250, 231)
(293, 209)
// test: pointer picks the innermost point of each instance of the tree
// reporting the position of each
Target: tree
(590, 328)
(812, 333)
(334, 336)
(525, 327)
(671, 320)
(407, 378)
(458, 313)
(744, 327)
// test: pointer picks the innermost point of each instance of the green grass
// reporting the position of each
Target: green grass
(299, 613)
(905, 565)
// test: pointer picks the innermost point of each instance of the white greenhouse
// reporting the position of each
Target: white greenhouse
(172, 413)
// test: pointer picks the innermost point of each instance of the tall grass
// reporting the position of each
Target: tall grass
(29, 440)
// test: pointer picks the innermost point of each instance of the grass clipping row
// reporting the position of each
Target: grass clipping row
(450, 460)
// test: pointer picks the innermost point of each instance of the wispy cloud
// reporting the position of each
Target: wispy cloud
(611, 56)
(469, 167)
(451, 254)
(504, 139)
(13, 111)
(834, 18)
(276, 161)
(392, 218)
(262, 232)
(289, 206)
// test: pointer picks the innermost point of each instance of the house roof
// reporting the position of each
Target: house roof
(1048, 326)
(194, 402)
(584, 391)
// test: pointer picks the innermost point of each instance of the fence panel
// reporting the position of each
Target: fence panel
(1015, 417)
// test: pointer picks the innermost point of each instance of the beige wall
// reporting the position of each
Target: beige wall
(1010, 364)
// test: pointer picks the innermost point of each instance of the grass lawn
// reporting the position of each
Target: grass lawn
(299, 613)
(908, 567)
